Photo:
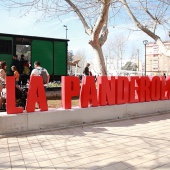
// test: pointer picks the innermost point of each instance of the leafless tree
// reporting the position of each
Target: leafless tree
(146, 15)
(115, 48)
(81, 55)
(149, 16)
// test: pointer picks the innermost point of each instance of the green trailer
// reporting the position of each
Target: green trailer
(50, 52)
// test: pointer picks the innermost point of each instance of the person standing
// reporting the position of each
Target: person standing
(16, 74)
(22, 62)
(38, 70)
(164, 75)
(3, 67)
(86, 71)
(16, 62)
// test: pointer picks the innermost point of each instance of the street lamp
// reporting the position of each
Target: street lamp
(66, 30)
(145, 42)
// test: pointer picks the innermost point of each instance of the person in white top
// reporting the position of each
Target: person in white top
(36, 71)
(3, 67)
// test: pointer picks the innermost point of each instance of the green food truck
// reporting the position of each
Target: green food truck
(50, 52)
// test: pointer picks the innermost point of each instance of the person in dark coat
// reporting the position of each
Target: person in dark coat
(22, 63)
(86, 70)
(16, 63)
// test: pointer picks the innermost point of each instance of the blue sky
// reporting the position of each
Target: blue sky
(27, 25)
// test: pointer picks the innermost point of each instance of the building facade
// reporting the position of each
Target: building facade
(156, 64)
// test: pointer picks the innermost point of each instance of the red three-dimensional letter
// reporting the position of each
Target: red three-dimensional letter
(155, 88)
(106, 90)
(36, 93)
(163, 88)
(10, 97)
(70, 88)
(88, 94)
(133, 89)
(122, 85)
(144, 89)
(168, 87)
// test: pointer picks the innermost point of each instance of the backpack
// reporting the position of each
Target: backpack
(43, 74)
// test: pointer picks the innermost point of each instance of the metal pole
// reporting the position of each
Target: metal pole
(66, 30)
(145, 42)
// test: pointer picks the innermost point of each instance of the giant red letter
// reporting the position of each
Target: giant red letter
(36, 93)
(163, 88)
(122, 85)
(106, 90)
(88, 94)
(70, 88)
(144, 89)
(168, 87)
(155, 88)
(10, 97)
(133, 90)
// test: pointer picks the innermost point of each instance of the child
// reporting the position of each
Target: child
(16, 74)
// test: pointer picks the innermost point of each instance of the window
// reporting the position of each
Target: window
(5, 46)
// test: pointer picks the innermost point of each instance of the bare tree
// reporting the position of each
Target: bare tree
(81, 55)
(109, 52)
(147, 15)
(92, 14)
(116, 47)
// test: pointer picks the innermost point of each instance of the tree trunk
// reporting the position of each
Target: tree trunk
(99, 60)
(162, 48)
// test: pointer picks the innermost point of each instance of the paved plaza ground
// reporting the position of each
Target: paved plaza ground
(134, 144)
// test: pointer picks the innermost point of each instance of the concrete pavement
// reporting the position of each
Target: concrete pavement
(134, 144)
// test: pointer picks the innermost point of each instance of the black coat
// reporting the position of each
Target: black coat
(17, 64)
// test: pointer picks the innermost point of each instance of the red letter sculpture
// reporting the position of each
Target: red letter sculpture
(10, 97)
(36, 93)
(122, 85)
(144, 89)
(133, 90)
(70, 88)
(106, 90)
(163, 88)
(88, 94)
(155, 88)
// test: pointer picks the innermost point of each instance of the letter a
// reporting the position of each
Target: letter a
(36, 93)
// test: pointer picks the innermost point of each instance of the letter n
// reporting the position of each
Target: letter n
(106, 90)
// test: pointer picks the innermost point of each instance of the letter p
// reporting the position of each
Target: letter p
(70, 88)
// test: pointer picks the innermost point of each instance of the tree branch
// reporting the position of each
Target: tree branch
(162, 48)
(138, 24)
(87, 28)
(102, 19)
